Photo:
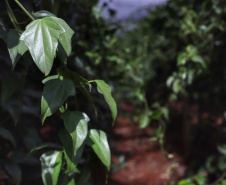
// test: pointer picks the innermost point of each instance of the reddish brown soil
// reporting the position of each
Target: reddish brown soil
(138, 161)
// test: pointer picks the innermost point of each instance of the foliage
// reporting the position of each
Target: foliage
(177, 53)
(47, 38)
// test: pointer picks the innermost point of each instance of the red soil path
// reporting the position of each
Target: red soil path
(138, 161)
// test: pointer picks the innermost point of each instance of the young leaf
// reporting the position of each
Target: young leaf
(100, 146)
(8, 136)
(105, 89)
(51, 164)
(41, 37)
(15, 46)
(71, 159)
(54, 95)
(76, 124)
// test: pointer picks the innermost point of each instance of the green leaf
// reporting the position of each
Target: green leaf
(144, 121)
(9, 87)
(105, 89)
(76, 124)
(186, 182)
(79, 83)
(15, 46)
(54, 95)
(100, 146)
(222, 149)
(41, 37)
(65, 180)
(71, 159)
(51, 165)
(85, 174)
(3, 32)
(64, 48)
(45, 145)
(182, 59)
(198, 59)
(14, 107)
(8, 136)
(43, 13)
(14, 171)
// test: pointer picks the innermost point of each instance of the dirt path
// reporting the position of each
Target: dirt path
(137, 161)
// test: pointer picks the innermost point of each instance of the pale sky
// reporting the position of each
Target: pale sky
(125, 8)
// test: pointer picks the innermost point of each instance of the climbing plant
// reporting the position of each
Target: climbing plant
(47, 39)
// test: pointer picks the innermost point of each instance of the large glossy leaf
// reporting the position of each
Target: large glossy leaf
(76, 124)
(105, 89)
(100, 146)
(15, 46)
(71, 159)
(41, 37)
(56, 91)
(14, 171)
(8, 136)
(51, 164)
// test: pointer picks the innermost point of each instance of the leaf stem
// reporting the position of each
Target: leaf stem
(11, 15)
(25, 11)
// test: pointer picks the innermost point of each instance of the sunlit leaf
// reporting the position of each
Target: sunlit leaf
(54, 95)
(76, 124)
(41, 37)
(100, 146)
(51, 165)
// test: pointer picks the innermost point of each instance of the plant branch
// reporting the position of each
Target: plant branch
(25, 11)
(219, 179)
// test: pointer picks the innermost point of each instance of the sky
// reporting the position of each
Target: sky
(128, 8)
